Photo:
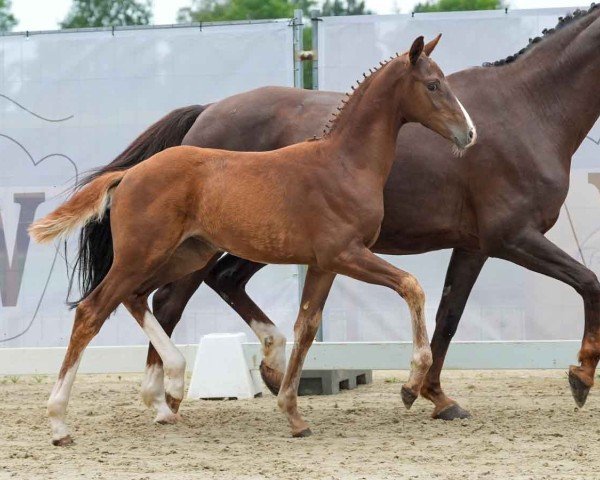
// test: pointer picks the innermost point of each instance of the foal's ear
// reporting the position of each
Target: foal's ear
(416, 50)
(427, 49)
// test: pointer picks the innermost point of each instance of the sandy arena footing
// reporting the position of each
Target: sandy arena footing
(525, 426)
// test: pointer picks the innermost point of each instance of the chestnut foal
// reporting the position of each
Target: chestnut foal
(318, 203)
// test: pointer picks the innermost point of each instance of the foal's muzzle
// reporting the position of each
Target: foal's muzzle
(465, 139)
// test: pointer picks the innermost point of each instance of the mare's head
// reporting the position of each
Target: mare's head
(425, 97)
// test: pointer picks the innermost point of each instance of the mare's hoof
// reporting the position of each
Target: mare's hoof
(271, 377)
(63, 442)
(408, 396)
(304, 433)
(452, 412)
(172, 402)
(578, 388)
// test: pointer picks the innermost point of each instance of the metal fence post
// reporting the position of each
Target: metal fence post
(299, 83)
(314, 20)
(298, 47)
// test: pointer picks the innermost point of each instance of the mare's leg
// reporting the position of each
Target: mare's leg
(462, 273)
(90, 315)
(535, 252)
(167, 305)
(360, 263)
(229, 278)
(316, 288)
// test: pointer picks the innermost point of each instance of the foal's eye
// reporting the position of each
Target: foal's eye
(432, 87)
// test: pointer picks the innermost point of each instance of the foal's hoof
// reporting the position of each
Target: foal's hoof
(271, 377)
(167, 419)
(452, 412)
(408, 397)
(172, 402)
(579, 389)
(303, 433)
(63, 442)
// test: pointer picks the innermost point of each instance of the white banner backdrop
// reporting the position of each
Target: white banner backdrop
(508, 302)
(73, 101)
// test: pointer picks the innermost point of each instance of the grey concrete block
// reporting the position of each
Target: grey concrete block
(330, 382)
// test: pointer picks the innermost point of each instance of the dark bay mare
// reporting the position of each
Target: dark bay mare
(532, 111)
(317, 203)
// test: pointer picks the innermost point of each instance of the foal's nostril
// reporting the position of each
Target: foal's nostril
(471, 134)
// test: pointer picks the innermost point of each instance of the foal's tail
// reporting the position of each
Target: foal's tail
(95, 255)
(87, 205)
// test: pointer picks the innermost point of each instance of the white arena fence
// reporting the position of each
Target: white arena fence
(91, 93)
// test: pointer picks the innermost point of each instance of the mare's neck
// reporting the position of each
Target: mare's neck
(558, 79)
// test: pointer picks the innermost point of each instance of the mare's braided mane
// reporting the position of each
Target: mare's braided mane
(562, 22)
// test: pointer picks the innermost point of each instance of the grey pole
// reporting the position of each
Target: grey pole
(298, 47)
(314, 20)
(299, 83)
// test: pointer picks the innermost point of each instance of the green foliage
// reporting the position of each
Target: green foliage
(231, 10)
(227, 10)
(456, 5)
(7, 19)
(106, 13)
(305, 5)
(339, 7)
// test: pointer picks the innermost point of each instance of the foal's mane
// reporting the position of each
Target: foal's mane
(562, 22)
(351, 97)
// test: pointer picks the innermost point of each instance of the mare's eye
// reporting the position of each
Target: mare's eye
(432, 87)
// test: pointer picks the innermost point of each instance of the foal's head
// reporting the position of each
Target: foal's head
(425, 97)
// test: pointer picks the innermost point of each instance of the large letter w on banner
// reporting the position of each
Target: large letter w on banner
(11, 273)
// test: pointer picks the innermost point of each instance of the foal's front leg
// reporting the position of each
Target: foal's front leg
(316, 288)
(362, 264)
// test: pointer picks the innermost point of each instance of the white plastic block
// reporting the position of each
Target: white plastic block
(221, 370)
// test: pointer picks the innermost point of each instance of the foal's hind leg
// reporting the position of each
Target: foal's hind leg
(191, 256)
(89, 318)
(316, 288)
(168, 304)
(228, 278)
(360, 263)
(172, 359)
